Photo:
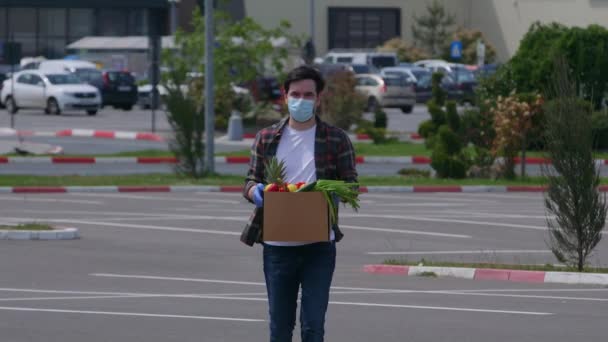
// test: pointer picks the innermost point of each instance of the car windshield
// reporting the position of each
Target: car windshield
(63, 79)
(394, 81)
(89, 75)
(361, 68)
(421, 74)
(121, 77)
(464, 75)
(383, 61)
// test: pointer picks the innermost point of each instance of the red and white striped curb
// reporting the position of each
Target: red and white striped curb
(86, 133)
(238, 188)
(407, 160)
(494, 274)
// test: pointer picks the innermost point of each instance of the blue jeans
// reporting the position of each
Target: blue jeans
(286, 268)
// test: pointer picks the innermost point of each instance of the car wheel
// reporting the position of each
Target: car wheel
(52, 107)
(407, 109)
(11, 106)
(372, 104)
(92, 112)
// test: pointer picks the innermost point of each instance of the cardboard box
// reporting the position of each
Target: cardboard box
(295, 216)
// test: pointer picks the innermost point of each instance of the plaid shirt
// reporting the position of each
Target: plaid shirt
(334, 159)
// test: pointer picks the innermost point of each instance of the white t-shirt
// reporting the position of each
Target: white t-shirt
(297, 150)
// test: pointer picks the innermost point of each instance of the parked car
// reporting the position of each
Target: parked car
(328, 69)
(386, 91)
(377, 59)
(365, 69)
(466, 83)
(435, 65)
(118, 88)
(52, 91)
(420, 76)
(2, 79)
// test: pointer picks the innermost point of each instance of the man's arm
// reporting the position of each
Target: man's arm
(255, 174)
(346, 162)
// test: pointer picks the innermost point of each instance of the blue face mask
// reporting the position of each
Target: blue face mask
(300, 110)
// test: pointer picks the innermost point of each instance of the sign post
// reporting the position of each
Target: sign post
(481, 53)
(456, 50)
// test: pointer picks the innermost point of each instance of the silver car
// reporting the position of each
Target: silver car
(387, 91)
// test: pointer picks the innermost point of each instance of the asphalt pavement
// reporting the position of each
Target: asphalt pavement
(170, 267)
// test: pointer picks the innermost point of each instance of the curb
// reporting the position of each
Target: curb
(87, 133)
(238, 189)
(59, 234)
(405, 160)
(572, 278)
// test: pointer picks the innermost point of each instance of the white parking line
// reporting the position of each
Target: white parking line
(488, 251)
(403, 231)
(428, 219)
(129, 314)
(47, 200)
(132, 226)
(161, 198)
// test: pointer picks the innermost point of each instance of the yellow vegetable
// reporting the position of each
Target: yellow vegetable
(292, 188)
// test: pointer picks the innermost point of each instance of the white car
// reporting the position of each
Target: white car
(52, 91)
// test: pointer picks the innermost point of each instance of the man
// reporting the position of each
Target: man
(312, 150)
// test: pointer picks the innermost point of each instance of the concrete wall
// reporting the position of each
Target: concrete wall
(504, 22)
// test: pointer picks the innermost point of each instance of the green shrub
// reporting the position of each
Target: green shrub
(427, 129)
(448, 141)
(448, 166)
(415, 173)
(341, 105)
(439, 95)
(436, 112)
(380, 118)
(452, 117)
(599, 122)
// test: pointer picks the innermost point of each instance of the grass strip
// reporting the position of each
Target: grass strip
(27, 226)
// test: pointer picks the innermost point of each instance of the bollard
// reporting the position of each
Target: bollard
(235, 126)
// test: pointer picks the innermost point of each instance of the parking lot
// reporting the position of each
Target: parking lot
(170, 267)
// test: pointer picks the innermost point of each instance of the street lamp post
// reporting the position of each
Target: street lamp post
(173, 15)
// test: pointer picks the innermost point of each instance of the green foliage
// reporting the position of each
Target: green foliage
(448, 166)
(187, 128)
(572, 197)
(599, 124)
(414, 173)
(586, 52)
(244, 51)
(469, 39)
(448, 141)
(438, 94)
(341, 105)
(427, 128)
(380, 118)
(405, 52)
(433, 29)
(452, 116)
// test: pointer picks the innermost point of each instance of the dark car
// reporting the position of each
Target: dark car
(424, 88)
(465, 85)
(2, 79)
(364, 69)
(118, 88)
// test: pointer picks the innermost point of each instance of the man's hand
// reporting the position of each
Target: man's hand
(256, 194)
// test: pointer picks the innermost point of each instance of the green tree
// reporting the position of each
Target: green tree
(244, 50)
(573, 197)
(585, 50)
(433, 29)
(405, 52)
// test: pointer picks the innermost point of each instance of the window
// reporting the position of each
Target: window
(81, 23)
(22, 24)
(24, 79)
(3, 24)
(362, 27)
(35, 80)
(112, 22)
(52, 32)
(138, 22)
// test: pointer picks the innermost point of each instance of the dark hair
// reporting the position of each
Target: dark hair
(304, 72)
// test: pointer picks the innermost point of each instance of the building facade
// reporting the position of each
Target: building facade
(46, 27)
